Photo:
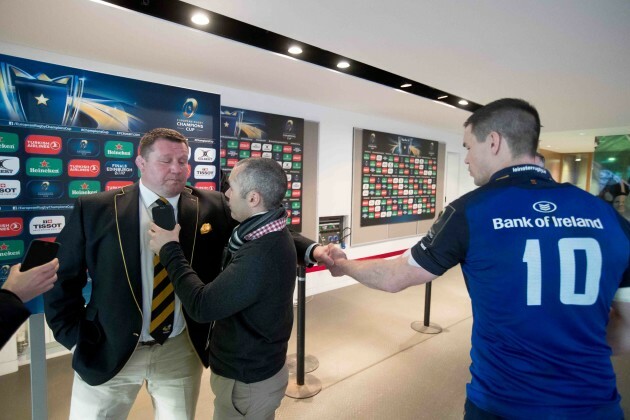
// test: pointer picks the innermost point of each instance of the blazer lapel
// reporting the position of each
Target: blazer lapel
(188, 215)
(128, 226)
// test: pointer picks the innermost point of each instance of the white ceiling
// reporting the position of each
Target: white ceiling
(570, 58)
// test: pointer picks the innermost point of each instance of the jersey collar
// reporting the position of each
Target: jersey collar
(525, 171)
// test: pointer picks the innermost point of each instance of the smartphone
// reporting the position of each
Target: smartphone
(38, 253)
(164, 217)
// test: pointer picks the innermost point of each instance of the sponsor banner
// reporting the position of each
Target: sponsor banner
(203, 185)
(119, 149)
(205, 154)
(11, 226)
(84, 168)
(46, 167)
(83, 187)
(42, 144)
(44, 189)
(46, 225)
(11, 250)
(9, 142)
(83, 147)
(205, 172)
(115, 185)
(9, 165)
(120, 168)
(9, 189)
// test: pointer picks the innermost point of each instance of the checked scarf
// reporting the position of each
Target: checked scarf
(254, 228)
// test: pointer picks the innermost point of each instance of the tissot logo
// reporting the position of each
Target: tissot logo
(205, 172)
(43, 145)
(11, 226)
(9, 165)
(46, 225)
(204, 154)
(545, 207)
(9, 189)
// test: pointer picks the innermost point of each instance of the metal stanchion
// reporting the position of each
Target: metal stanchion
(426, 327)
(301, 385)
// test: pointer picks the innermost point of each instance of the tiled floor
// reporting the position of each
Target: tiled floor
(372, 365)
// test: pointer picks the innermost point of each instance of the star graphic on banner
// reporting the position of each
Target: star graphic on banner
(4, 247)
(44, 164)
(226, 124)
(84, 186)
(42, 100)
(119, 146)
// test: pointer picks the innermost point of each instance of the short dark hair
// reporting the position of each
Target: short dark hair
(150, 137)
(515, 120)
(264, 176)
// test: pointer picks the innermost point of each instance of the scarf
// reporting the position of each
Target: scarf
(254, 228)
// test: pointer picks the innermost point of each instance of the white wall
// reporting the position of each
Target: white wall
(335, 142)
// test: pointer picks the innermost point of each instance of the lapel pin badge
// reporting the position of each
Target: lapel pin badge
(205, 228)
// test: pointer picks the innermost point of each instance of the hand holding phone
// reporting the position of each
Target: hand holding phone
(164, 217)
(39, 252)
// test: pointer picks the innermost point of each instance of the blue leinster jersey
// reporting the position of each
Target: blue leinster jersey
(542, 262)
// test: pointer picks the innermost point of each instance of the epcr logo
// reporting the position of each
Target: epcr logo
(545, 207)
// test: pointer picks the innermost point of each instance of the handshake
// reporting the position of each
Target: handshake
(332, 257)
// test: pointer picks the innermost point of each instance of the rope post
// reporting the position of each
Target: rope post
(301, 385)
(426, 327)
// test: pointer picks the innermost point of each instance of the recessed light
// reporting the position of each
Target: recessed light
(295, 50)
(581, 134)
(462, 102)
(548, 145)
(443, 97)
(612, 159)
(200, 19)
(577, 159)
(343, 65)
(405, 85)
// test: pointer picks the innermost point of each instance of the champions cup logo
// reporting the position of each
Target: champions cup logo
(38, 98)
(190, 107)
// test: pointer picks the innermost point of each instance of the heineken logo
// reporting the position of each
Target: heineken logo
(83, 187)
(8, 142)
(11, 250)
(118, 149)
(44, 167)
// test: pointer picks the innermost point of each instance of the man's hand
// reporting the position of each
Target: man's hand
(322, 254)
(160, 237)
(338, 257)
(31, 283)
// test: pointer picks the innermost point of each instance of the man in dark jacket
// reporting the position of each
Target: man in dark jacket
(250, 302)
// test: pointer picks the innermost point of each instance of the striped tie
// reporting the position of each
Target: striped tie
(163, 303)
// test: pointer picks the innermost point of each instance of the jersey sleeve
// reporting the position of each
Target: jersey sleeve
(445, 245)
(623, 294)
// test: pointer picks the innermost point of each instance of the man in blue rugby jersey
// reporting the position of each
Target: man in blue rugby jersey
(547, 269)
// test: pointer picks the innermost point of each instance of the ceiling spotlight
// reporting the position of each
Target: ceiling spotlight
(443, 97)
(611, 159)
(581, 134)
(405, 85)
(200, 19)
(295, 50)
(343, 65)
(463, 102)
(578, 159)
